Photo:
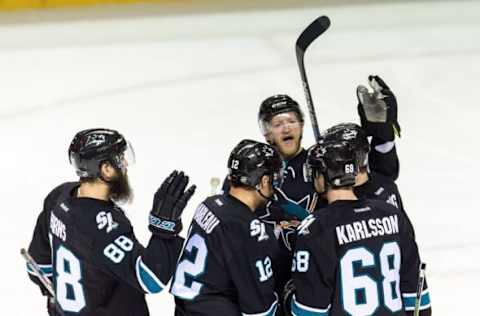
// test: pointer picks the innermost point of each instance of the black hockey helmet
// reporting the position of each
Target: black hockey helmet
(90, 148)
(251, 160)
(355, 136)
(335, 160)
(274, 105)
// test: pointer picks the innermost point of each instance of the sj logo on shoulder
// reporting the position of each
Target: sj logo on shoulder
(105, 219)
(257, 228)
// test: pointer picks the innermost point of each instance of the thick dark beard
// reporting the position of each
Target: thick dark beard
(120, 190)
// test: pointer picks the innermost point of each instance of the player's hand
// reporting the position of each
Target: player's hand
(168, 204)
(51, 307)
(378, 109)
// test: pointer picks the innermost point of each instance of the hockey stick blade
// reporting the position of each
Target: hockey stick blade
(314, 30)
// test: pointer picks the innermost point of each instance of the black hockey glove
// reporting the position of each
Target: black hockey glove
(378, 110)
(287, 296)
(168, 204)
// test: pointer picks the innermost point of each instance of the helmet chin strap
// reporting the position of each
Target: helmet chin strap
(325, 182)
(262, 195)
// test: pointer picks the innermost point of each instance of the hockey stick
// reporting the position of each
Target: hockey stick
(214, 183)
(314, 30)
(421, 280)
(36, 269)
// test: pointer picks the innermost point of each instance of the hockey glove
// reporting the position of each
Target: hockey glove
(287, 296)
(168, 204)
(378, 110)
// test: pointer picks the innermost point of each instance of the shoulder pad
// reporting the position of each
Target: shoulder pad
(215, 201)
(59, 193)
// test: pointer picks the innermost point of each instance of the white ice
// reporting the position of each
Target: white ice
(185, 89)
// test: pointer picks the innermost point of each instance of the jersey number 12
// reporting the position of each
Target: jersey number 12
(192, 267)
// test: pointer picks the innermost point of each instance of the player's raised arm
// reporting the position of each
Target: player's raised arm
(378, 116)
(147, 269)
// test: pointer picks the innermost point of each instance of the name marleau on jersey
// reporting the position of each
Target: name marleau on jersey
(205, 219)
(367, 229)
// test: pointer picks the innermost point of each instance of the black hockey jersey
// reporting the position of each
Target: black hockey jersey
(380, 187)
(226, 264)
(356, 258)
(98, 266)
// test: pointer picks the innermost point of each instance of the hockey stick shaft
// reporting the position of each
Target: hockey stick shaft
(38, 271)
(421, 281)
(314, 30)
(214, 183)
(311, 109)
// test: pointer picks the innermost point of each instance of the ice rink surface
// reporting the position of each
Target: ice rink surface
(186, 88)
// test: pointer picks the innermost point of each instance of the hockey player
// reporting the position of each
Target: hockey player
(368, 184)
(356, 256)
(226, 264)
(86, 242)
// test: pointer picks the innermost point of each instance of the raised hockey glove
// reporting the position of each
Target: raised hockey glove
(168, 204)
(287, 296)
(378, 109)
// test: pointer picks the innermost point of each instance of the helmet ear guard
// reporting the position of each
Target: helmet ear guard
(335, 160)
